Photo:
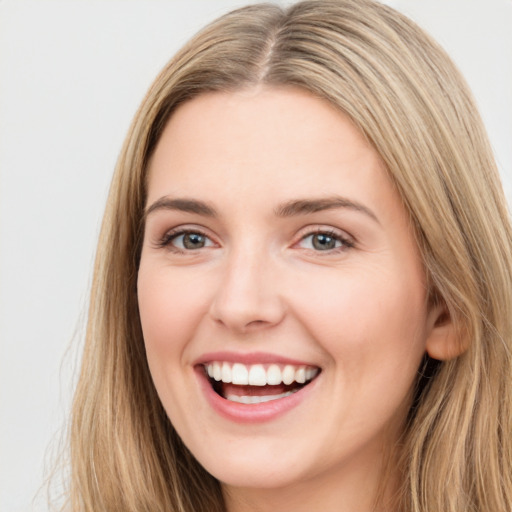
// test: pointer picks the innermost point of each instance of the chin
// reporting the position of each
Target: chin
(247, 475)
(255, 465)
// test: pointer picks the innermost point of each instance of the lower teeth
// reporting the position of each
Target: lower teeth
(244, 399)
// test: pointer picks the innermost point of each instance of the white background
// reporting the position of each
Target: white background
(72, 73)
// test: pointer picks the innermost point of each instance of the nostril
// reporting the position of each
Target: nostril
(257, 323)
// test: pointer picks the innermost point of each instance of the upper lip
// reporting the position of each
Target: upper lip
(250, 358)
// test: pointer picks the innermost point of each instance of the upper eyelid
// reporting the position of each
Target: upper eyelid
(187, 228)
(331, 230)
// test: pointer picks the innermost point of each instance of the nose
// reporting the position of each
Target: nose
(248, 297)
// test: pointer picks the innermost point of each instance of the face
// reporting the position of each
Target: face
(281, 292)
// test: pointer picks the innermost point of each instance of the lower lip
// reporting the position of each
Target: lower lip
(252, 413)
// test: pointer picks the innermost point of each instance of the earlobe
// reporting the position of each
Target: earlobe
(444, 341)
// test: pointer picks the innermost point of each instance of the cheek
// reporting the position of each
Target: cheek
(369, 322)
(171, 307)
(170, 310)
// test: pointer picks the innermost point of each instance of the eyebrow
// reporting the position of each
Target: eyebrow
(305, 206)
(289, 209)
(183, 205)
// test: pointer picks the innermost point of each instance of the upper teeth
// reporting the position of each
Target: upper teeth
(259, 374)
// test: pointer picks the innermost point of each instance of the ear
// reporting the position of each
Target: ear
(443, 341)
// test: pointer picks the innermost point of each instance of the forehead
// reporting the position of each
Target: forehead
(258, 137)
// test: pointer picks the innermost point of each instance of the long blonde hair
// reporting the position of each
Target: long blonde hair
(407, 98)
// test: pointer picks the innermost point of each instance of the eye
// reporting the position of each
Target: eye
(187, 240)
(324, 241)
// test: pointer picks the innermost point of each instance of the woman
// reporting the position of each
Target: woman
(302, 284)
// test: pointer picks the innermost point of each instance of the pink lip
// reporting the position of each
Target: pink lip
(250, 413)
(249, 358)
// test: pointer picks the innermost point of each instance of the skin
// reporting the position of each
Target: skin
(358, 311)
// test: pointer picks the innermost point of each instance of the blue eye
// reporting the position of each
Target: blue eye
(189, 241)
(324, 241)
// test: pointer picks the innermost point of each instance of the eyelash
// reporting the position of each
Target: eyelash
(345, 242)
(170, 236)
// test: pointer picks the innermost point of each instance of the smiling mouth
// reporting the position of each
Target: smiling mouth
(257, 383)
